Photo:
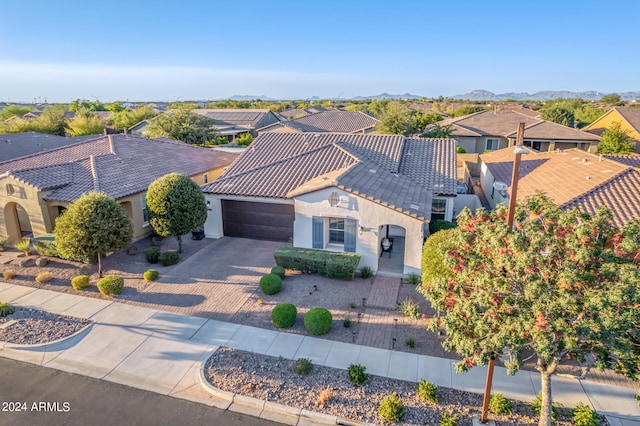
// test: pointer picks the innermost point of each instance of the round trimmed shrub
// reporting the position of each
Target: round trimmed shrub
(80, 282)
(169, 258)
(284, 315)
(151, 275)
(278, 270)
(152, 254)
(318, 321)
(270, 284)
(111, 285)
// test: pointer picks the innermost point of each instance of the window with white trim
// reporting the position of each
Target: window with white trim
(438, 208)
(492, 144)
(336, 230)
(145, 214)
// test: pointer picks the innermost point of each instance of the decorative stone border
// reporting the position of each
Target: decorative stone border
(270, 410)
(57, 344)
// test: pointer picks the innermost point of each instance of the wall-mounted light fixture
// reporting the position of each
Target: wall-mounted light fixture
(334, 199)
(209, 205)
(361, 230)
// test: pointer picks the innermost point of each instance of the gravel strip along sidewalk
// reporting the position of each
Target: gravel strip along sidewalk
(273, 379)
(29, 326)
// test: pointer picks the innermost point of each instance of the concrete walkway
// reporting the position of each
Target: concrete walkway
(163, 352)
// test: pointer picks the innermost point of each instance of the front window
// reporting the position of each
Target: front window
(336, 231)
(492, 144)
(537, 145)
(145, 214)
(438, 208)
(205, 178)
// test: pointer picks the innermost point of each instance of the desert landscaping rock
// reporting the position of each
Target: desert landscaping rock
(273, 379)
(26, 262)
(33, 326)
(42, 261)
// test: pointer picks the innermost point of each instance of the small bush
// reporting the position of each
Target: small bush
(24, 245)
(5, 309)
(332, 264)
(366, 272)
(583, 415)
(284, 315)
(152, 254)
(9, 274)
(357, 374)
(410, 342)
(46, 248)
(169, 258)
(270, 284)
(638, 398)
(439, 225)
(318, 321)
(80, 282)
(461, 150)
(279, 271)
(412, 278)
(111, 285)
(410, 308)
(536, 405)
(325, 397)
(428, 391)
(44, 277)
(449, 419)
(347, 321)
(303, 366)
(391, 408)
(150, 275)
(498, 404)
(3, 241)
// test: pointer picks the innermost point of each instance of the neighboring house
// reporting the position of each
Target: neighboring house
(571, 178)
(14, 145)
(337, 192)
(628, 118)
(332, 121)
(36, 188)
(292, 113)
(496, 129)
(232, 122)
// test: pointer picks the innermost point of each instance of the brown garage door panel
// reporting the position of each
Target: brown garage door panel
(266, 221)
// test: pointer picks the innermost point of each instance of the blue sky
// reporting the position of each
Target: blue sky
(180, 50)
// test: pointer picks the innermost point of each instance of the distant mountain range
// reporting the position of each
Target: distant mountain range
(590, 95)
(475, 95)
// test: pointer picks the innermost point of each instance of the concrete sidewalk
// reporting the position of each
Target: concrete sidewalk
(163, 352)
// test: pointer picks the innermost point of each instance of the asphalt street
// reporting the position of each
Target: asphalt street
(34, 395)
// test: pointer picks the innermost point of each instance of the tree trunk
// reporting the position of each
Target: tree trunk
(546, 409)
(99, 266)
(179, 238)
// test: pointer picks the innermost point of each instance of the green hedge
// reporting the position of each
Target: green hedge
(328, 263)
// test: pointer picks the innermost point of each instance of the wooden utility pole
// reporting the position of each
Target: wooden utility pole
(513, 192)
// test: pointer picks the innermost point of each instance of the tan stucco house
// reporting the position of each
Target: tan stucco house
(337, 192)
(36, 188)
(496, 129)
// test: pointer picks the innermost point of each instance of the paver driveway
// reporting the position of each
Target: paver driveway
(214, 282)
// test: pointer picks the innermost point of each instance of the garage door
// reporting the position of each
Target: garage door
(262, 221)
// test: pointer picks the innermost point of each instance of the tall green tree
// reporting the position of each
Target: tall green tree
(439, 132)
(184, 126)
(129, 117)
(12, 111)
(612, 99)
(557, 114)
(91, 226)
(558, 284)
(615, 140)
(176, 206)
(396, 119)
(85, 124)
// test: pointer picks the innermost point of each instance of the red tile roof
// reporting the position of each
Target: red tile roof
(119, 165)
(573, 178)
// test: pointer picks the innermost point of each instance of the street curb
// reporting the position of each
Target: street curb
(57, 344)
(271, 410)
